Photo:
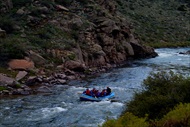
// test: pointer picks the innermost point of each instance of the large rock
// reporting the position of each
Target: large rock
(6, 80)
(38, 59)
(20, 11)
(185, 53)
(74, 65)
(44, 89)
(21, 64)
(21, 75)
(143, 51)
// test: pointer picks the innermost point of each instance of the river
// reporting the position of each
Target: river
(63, 108)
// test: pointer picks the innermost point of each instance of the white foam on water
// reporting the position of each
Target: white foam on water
(164, 55)
(118, 104)
(7, 108)
(45, 113)
(51, 111)
(76, 88)
(119, 88)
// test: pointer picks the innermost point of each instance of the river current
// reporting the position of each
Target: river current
(63, 108)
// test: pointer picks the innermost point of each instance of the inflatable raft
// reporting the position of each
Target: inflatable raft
(84, 97)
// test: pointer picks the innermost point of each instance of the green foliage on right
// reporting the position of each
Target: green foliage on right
(163, 90)
(179, 117)
(164, 102)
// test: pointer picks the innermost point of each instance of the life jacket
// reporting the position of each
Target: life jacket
(87, 92)
(98, 94)
(103, 93)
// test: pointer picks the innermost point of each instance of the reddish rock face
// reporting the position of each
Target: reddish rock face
(21, 64)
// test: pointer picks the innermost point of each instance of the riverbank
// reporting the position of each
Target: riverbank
(169, 44)
(38, 80)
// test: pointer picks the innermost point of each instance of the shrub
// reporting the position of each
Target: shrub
(2, 88)
(11, 48)
(7, 24)
(179, 117)
(162, 92)
(9, 73)
(127, 120)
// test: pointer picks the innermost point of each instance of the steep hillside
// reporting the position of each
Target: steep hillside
(52, 41)
(158, 20)
(90, 32)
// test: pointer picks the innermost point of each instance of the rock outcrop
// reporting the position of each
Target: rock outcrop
(88, 37)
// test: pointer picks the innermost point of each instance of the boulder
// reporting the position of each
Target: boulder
(43, 10)
(44, 89)
(21, 75)
(20, 11)
(6, 80)
(21, 64)
(141, 51)
(31, 81)
(185, 53)
(36, 58)
(74, 65)
(61, 81)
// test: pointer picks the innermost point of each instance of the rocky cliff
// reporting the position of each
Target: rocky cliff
(98, 34)
(67, 35)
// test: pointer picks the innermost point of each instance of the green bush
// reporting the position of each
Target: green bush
(2, 88)
(127, 120)
(7, 24)
(11, 48)
(163, 91)
(179, 117)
